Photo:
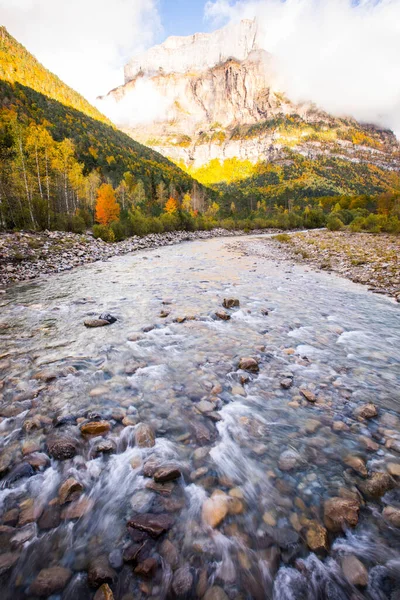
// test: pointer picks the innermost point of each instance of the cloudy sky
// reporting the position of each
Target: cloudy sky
(342, 54)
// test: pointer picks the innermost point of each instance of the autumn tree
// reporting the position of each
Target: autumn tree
(171, 206)
(187, 203)
(107, 208)
(161, 193)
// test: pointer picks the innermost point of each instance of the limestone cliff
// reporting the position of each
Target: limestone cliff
(217, 97)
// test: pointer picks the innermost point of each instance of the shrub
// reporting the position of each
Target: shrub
(283, 238)
(334, 223)
(104, 233)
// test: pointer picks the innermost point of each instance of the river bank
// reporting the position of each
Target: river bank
(28, 255)
(369, 259)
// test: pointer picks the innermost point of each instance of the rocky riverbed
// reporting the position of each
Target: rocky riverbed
(373, 260)
(27, 255)
(231, 432)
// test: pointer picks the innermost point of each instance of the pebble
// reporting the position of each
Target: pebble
(308, 395)
(231, 303)
(392, 515)
(164, 474)
(182, 581)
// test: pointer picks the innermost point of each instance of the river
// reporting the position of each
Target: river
(205, 480)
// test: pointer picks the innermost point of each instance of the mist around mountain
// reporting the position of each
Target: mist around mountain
(222, 116)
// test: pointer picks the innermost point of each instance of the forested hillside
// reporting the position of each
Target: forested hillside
(56, 150)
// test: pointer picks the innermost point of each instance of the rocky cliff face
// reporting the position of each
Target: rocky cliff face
(219, 99)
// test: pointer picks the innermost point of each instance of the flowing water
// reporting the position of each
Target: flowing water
(257, 460)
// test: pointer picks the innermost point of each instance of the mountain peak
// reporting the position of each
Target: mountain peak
(199, 51)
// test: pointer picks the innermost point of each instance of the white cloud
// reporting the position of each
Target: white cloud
(85, 42)
(142, 105)
(343, 56)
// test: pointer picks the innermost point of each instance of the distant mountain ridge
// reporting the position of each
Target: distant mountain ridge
(226, 105)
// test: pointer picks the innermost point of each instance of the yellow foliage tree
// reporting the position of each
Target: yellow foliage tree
(171, 206)
(107, 208)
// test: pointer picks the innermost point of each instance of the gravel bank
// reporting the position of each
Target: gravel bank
(26, 255)
(373, 260)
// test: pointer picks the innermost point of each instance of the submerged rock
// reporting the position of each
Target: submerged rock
(104, 593)
(221, 314)
(100, 572)
(108, 317)
(249, 364)
(377, 485)
(215, 508)
(94, 323)
(164, 474)
(308, 395)
(340, 513)
(49, 581)
(69, 491)
(230, 303)
(392, 515)
(366, 411)
(8, 561)
(183, 581)
(317, 537)
(354, 571)
(61, 447)
(95, 428)
(154, 525)
(144, 436)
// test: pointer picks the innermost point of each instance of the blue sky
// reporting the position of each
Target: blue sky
(182, 17)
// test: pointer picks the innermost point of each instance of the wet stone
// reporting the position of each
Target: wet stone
(289, 460)
(231, 303)
(104, 593)
(38, 460)
(100, 572)
(357, 464)
(308, 395)
(393, 469)
(215, 593)
(340, 513)
(8, 561)
(50, 581)
(95, 323)
(169, 553)
(144, 436)
(215, 508)
(105, 447)
(164, 474)
(50, 518)
(146, 568)
(95, 428)
(354, 571)
(222, 315)
(154, 525)
(249, 364)
(61, 447)
(182, 581)
(317, 537)
(391, 514)
(69, 491)
(286, 383)
(366, 411)
(377, 485)
(77, 509)
(24, 534)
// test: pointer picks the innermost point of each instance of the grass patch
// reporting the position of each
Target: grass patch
(283, 238)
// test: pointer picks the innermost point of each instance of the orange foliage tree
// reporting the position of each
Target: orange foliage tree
(171, 206)
(107, 208)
